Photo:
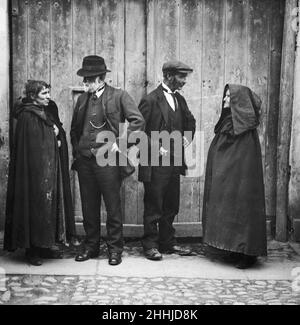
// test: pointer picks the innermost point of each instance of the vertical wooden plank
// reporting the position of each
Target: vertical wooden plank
(285, 120)
(61, 60)
(236, 54)
(83, 43)
(258, 54)
(39, 40)
(212, 71)
(190, 52)
(135, 77)
(162, 40)
(4, 105)
(83, 34)
(271, 132)
(151, 32)
(19, 45)
(294, 190)
(110, 38)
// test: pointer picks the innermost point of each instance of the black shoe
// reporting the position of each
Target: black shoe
(51, 253)
(114, 258)
(153, 254)
(246, 262)
(86, 255)
(232, 258)
(32, 257)
(175, 249)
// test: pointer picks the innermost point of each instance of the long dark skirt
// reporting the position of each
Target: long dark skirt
(234, 203)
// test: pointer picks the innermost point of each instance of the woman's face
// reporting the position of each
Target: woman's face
(43, 97)
(226, 99)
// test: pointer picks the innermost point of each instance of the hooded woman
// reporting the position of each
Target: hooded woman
(39, 211)
(234, 219)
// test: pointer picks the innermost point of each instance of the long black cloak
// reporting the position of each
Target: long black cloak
(234, 216)
(35, 208)
(52, 112)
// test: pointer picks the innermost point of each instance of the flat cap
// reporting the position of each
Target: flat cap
(176, 66)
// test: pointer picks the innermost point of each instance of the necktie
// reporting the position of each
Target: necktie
(94, 94)
(175, 101)
(174, 98)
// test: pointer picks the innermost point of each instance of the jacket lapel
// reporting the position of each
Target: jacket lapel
(163, 104)
(82, 108)
(107, 95)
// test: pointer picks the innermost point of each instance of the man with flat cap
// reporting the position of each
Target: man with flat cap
(164, 109)
(100, 110)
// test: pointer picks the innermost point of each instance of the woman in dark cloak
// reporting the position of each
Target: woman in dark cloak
(234, 219)
(39, 212)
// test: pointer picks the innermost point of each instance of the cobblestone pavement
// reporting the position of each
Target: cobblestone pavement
(104, 290)
(88, 290)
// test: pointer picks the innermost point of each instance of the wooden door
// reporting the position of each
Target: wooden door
(225, 41)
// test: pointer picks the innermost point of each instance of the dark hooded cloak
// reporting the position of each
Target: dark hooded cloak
(234, 216)
(52, 112)
(36, 209)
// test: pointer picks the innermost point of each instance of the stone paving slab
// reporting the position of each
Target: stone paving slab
(281, 260)
(176, 280)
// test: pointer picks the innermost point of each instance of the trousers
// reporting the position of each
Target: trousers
(161, 205)
(96, 182)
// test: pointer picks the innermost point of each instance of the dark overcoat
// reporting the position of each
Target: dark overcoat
(154, 108)
(234, 216)
(52, 112)
(35, 210)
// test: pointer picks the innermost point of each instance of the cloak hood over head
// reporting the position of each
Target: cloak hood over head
(245, 108)
(23, 104)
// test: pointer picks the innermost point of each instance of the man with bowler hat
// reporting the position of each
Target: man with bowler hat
(100, 109)
(164, 109)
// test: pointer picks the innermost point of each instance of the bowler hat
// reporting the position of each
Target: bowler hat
(176, 66)
(92, 65)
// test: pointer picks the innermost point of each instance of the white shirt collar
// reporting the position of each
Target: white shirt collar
(167, 88)
(99, 92)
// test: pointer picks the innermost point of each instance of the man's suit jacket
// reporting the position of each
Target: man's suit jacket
(154, 108)
(117, 105)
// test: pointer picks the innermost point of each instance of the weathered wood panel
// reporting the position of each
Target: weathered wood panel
(83, 43)
(39, 47)
(135, 77)
(162, 41)
(259, 55)
(213, 72)
(285, 121)
(83, 38)
(276, 27)
(236, 54)
(20, 47)
(4, 106)
(224, 41)
(62, 71)
(190, 51)
(294, 190)
(61, 60)
(110, 38)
